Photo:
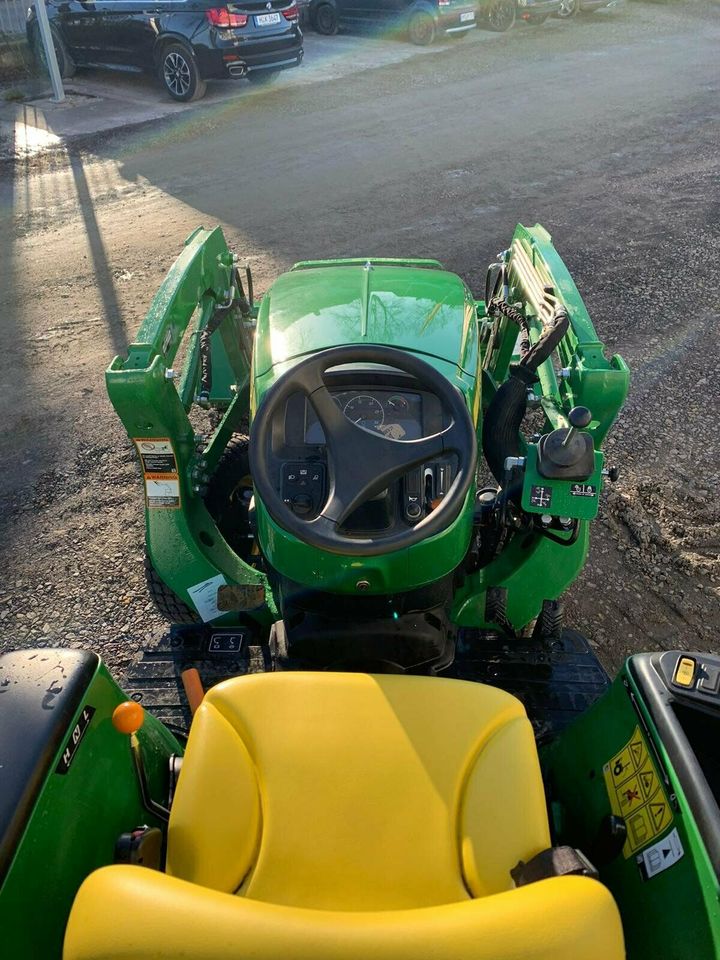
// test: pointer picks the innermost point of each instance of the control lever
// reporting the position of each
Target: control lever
(127, 718)
(579, 418)
(568, 453)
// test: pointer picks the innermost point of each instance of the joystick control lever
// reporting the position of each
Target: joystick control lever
(568, 453)
(578, 418)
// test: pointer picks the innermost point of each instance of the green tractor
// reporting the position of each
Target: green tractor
(364, 498)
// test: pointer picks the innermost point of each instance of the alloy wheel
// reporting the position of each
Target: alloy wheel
(568, 8)
(177, 74)
(502, 14)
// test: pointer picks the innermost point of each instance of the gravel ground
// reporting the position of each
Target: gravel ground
(438, 156)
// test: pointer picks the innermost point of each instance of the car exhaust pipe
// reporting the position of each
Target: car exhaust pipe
(237, 69)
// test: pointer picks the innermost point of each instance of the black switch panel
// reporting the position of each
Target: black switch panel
(303, 488)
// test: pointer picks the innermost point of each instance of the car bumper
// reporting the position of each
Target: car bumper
(458, 20)
(537, 8)
(238, 58)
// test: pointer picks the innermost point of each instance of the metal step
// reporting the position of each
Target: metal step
(556, 681)
(155, 680)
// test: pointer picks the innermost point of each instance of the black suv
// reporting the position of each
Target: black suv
(423, 19)
(184, 42)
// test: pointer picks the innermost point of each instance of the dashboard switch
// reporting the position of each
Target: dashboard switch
(685, 672)
(413, 498)
(303, 487)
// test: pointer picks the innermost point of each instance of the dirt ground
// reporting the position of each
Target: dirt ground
(605, 129)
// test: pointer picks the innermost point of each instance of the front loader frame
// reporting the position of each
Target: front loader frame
(154, 400)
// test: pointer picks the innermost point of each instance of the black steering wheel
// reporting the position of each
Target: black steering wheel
(360, 462)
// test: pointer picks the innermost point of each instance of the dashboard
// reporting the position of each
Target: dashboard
(395, 414)
(385, 403)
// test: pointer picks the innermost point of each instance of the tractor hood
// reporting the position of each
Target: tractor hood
(422, 309)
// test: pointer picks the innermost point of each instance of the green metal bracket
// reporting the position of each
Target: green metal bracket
(183, 541)
(540, 280)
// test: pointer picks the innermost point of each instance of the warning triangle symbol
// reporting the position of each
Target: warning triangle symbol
(657, 811)
(647, 777)
(637, 751)
(666, 851)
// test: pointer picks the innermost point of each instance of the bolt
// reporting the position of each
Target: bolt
(564, 374)
(545, 519)
(170, 374)
(362, 585)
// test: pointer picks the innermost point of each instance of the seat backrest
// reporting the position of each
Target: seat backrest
(357, 792)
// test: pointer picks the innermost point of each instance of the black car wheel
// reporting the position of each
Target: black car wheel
(421, 28)
(65, 63)
(568, 9)
(535, 20)
(500, 15)
(326, 19)
(179, 73)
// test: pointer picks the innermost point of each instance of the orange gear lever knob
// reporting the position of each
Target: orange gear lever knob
(128, 717)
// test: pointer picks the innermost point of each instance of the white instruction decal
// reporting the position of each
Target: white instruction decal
(162, 492)
(661, 855)
(204, 596)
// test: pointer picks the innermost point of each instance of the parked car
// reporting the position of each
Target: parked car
(183, 42)
(569, 8)
(423, 19)
(500, 15)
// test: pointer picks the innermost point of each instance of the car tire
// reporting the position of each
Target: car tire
(536, 20)
(421, 28)
(262, 78)
(168, 604)
(179, 73)
(66, 65)
(500, 15)
(568, 9)
(325, 19)
(228, 496)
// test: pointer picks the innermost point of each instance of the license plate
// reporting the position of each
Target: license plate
(464, 17)
(265, 19)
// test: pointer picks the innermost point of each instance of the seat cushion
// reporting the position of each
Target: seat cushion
(132, 913)
(354, 792)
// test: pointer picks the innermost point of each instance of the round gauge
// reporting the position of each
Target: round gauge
(398, 404)
(365, 411)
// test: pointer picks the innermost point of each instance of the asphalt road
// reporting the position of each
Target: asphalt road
(604, 129)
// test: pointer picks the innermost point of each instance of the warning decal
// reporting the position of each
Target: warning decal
(636, 794)
(660, 855)
(162, 485)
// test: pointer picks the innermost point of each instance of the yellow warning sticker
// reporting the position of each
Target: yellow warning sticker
(637, 794)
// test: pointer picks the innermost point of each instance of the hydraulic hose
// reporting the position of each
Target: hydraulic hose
(205, 353)
(501, 429)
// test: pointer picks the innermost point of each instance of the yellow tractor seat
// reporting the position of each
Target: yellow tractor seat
(348, 816)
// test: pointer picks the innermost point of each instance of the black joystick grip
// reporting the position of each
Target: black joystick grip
(580, 417)
(566, 453)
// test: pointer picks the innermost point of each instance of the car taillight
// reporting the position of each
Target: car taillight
(291, 13)
(221, 17)
(444, 3)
